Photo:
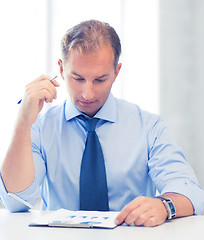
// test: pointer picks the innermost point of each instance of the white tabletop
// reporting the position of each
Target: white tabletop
(15, 226)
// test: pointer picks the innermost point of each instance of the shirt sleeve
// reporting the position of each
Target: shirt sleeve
(169, 169)
(23, 201)
(19, 202)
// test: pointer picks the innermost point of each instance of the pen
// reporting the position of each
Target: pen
(52, 79)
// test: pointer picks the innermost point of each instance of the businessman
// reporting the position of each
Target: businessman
(131, 150)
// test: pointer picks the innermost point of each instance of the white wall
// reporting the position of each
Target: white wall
(182, 76)
(30, 41)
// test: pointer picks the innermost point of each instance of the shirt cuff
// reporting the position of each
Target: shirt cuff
(21, 201)
(190, 190)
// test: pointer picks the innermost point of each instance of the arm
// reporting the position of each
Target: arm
(18, 168)
(151, 211)
(173, 178)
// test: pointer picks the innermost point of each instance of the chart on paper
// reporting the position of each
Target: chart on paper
(84, 219)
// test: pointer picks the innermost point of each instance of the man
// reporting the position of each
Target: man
(139, 154)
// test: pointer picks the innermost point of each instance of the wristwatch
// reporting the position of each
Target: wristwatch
(170, 208)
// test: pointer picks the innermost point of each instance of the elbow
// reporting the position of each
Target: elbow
(13, 205)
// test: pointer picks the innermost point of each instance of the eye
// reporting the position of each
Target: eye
(99, 80)
(78, 79)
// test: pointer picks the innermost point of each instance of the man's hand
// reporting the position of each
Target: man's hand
(143, 211)
(37, 92)
(18, 170)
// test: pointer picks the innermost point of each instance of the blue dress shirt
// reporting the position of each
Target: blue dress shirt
(140, 157)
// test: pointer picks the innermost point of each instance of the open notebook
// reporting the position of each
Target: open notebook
(84, 219)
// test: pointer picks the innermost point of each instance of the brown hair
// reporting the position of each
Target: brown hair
(90, 36)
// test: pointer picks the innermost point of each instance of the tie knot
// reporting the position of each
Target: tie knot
(91, 124)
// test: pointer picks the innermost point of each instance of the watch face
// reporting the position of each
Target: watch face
(172, 209)
(169, 206)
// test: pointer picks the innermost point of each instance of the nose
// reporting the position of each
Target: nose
(88, 91)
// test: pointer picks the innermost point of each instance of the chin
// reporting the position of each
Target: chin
(88, 110)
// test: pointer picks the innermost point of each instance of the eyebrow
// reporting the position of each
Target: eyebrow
(102, 76)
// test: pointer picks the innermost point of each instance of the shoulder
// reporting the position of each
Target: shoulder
(133, 112)
(53, 115)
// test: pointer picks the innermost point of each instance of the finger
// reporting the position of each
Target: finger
(47, 95)
(137, 216)
(42, 94)
(140, 213)
(41, 78)
(55, 83)
(46, 78)
(154, 215)
(51, 86)
(126, 211)
(35, 88)
(153, 221)
(142, 218)
(48, 100)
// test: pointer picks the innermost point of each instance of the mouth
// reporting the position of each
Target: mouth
(86, 103)
(90, 108)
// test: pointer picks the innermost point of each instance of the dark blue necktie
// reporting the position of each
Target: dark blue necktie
(93, 184)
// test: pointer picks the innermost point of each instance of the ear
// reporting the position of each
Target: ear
(117, 70)
(60, 64)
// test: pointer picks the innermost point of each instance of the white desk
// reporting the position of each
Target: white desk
(15, 226)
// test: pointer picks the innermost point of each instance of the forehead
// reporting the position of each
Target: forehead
(102, 58)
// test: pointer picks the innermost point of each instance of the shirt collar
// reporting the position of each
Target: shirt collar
(107, 112)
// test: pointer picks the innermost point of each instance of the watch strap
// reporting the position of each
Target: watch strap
(169, 205)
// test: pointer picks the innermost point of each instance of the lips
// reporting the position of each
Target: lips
(86, 103)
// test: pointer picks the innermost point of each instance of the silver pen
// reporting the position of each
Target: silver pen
(52, 79)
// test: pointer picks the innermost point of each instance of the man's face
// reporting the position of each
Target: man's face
(89, 78)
